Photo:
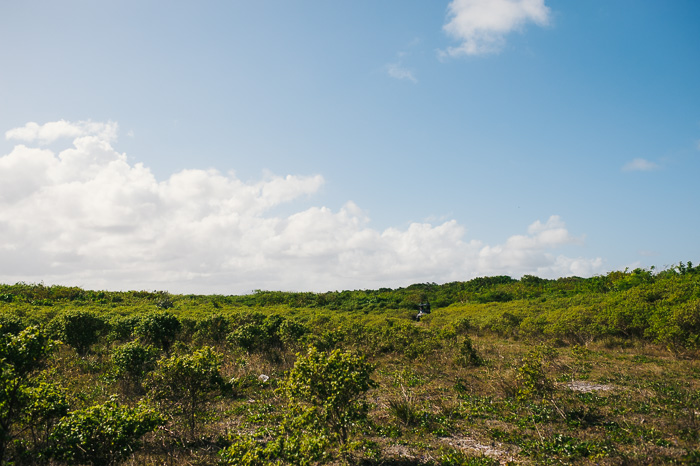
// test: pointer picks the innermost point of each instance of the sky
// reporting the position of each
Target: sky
(231, 146)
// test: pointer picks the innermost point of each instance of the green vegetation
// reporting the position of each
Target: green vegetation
(602, 370)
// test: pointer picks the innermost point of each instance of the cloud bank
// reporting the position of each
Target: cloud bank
(86, 216)
(481, 26)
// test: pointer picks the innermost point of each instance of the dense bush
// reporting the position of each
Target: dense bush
(158, 328)
(334, 385)
(103, 434)
(185, 383)
(132, 361)
(21, 355)
(79, 329)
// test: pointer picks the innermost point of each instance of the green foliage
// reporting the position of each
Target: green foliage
(301, 440)
(122, 327)
(133, 360)
(531, 378)
(468, 354)
(563, 446)
(256, 332)
(159, 329)
(20, 356)
(79, 329)
(46, 404)
(213, 328)
(506, 324)
(186, 383)
(334, 384)
(246, 451)
(459, 458)
(103, 434)
(620, 325)
(11, 324)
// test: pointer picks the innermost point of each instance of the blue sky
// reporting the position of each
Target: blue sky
(227, 146)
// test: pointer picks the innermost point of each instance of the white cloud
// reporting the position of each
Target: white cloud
(54, 130)
(397, 71)
(482, 25)
(640, 165)
(85, 216)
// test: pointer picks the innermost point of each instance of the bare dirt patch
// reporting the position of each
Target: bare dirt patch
(587, 387)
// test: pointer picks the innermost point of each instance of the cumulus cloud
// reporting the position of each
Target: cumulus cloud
(481, 26)
(52, 131)
(86, 216)
(640, 165)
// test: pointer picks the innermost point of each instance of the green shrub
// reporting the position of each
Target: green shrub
(213, 328)
(46, 403)
(103, 434)
(468, 355)
(299, 441)
(531, 378)
(159, 329)
(20, 356)
(334, 385)
(121, 328)
(79, 329)
(245, 451)
(11, 324)
(133, 360)
(186, 383)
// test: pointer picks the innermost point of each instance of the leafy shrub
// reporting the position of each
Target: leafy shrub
(122, 328)
(159, 329)
(291, 332)
(11, 324)
(506, 324)
(263, 333)
(185, 383)
(103, 434)
(46, 403)
(133, 360)
(299, 441)
(334, 385)
(531, 378)
(213, 328)
(468, 355)
(245, 451)
(79, 329)
(20, 356)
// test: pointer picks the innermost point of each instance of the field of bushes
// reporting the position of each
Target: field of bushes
(600, 370)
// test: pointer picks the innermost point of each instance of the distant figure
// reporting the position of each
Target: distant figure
(423, 309)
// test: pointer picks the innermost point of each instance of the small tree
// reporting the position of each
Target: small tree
(468, 354)
(79, 329)
(186, 383)
(159, 329)
(46, 404)
(121, 328)
(21, 355)
(132, 361)
(102, 435)
(333, 385)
